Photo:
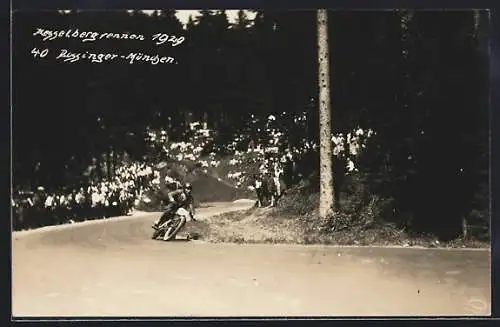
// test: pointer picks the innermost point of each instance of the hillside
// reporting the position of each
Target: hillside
(206, 188)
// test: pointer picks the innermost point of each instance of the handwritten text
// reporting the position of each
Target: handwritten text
(86, 36)
(65, 55)
(49, 35)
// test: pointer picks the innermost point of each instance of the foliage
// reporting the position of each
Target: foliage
(419, 79)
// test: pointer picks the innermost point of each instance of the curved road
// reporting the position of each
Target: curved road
(112, 268)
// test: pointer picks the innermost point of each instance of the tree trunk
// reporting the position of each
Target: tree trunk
(205, 117)
(108, 162)
(99, 167)
(115, 161)
(326, 175)
(464, 228)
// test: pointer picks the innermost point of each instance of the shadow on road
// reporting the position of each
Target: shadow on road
(206, 206)
(175, 240)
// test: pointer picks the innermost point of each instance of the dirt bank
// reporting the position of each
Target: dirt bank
(261, 225)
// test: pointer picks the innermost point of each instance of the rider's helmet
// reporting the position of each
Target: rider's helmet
(187, 187)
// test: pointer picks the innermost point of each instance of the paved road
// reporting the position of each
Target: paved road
(112, 268)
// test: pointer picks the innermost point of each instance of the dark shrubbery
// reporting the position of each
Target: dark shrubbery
(363, 210)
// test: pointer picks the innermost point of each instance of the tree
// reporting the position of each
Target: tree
(190, 23)
(242, 20)
(326, 174)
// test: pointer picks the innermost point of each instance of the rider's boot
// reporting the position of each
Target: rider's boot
(160, 221)
(156, 224)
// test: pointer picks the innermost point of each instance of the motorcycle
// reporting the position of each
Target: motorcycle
(169, 229)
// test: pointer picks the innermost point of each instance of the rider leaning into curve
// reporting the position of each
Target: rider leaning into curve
(182, 198)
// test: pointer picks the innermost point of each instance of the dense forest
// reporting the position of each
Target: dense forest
(419, 79)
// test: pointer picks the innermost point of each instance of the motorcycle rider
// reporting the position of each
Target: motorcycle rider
(182, 198)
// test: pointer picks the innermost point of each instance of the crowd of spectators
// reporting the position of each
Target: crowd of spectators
(262, 149)
(268, 154)
(97, 199)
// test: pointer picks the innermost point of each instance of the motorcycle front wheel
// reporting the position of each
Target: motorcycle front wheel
(156, 233)
(174, 229)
